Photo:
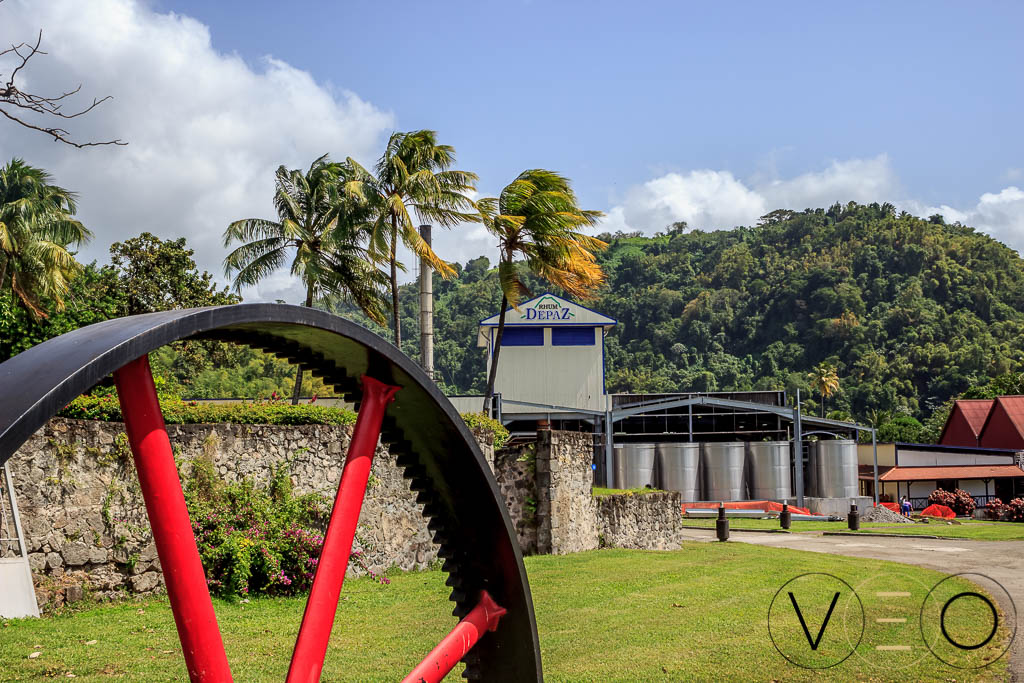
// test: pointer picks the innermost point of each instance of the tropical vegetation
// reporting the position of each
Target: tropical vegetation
(538, 226)
(326, 226)
(37, 229)
(414, 176)
(910, 312)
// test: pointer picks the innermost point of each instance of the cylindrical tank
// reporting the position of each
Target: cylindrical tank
(810, 471)
(835, 465)
(722, 465)
(634, 465)
(678, 469)
(768, 475)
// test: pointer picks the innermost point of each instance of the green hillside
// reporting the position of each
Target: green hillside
(911, 312)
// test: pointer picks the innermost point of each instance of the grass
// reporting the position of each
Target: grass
(599, 491)
(626, 615)
(974, 529)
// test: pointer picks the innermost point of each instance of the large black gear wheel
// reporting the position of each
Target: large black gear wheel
(460, 498)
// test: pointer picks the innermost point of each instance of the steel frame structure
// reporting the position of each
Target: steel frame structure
(496, 636)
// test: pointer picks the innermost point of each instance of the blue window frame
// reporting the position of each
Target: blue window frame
(572, 336)
(523, 336)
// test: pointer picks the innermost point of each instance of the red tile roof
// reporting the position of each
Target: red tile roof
(976, 411)
(951, 472)
(1014, 406)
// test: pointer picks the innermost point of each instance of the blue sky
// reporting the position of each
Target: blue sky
(712, 113)
(614, 93)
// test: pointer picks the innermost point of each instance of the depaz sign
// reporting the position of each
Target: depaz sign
(547, 308)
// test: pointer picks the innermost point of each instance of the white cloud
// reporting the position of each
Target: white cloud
(858, 180)
(704, 199)
(205, 130)
(716, 200)
(1000, 214)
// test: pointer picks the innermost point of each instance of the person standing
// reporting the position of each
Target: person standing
(905, 506)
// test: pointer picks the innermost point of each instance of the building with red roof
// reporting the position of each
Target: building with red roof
(1004, 426)
(915, 470)
(965, 421)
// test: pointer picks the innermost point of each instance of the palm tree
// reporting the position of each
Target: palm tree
(825, 379)
(326, 227)
(414, 175)
(536, 218)
(36, 228)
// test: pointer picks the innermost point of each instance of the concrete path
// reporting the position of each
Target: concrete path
(1000, 560)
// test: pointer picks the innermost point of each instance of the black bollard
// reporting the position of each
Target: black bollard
(853, 519)
(785, 517)
(722, 524)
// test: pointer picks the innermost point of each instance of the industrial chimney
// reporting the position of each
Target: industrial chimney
(426, 310)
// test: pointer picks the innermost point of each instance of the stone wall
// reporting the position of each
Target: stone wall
(515, 472)
(566, 514)
(82, 510)
(85, 523)
(649, 521)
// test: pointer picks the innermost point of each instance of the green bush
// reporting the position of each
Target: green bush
(958, 501)
(176, 411)
(481, 421)
(257, 541)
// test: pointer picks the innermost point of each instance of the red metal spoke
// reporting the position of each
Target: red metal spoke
(187, 591)
(454, 646)
(317, 620)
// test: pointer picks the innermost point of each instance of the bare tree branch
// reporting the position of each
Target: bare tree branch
(13, 99)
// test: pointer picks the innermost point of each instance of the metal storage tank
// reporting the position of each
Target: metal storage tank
(722, 465)
(679, 469)
(634, 465)
(835, 466)
(768, 471)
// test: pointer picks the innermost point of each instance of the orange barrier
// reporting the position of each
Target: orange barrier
(940, 511)
(766, 505)
(895, 507)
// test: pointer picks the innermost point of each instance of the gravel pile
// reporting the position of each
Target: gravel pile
(885, 515)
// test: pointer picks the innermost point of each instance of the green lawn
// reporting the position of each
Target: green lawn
(971, 528)
(599, 491)
(695, 614)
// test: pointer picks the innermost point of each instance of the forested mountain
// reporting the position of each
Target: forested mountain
(909, 311)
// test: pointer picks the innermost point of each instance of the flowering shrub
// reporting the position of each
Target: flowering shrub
(255, 541)
(959, 501)
(995, 508)
(1015, 510)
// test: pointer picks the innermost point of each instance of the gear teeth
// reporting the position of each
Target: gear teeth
(462, 575)
(414, 471)
(407, 460)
